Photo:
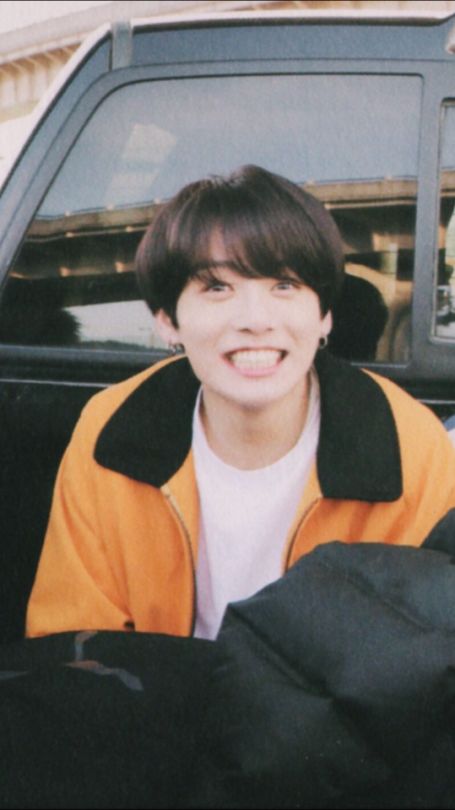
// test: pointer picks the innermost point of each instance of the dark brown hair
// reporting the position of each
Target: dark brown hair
(268, 225)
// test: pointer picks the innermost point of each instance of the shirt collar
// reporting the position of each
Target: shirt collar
(358, 457)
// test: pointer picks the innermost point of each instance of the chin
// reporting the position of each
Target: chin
(256, 403)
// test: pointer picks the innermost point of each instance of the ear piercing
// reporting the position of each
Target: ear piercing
(177, 348)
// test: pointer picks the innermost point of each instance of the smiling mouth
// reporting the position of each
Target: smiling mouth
(255, 359)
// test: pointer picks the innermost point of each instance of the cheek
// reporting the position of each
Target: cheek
(198, 328)
(307, 325)
(197, 337)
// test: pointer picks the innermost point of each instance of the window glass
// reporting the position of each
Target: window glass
(444, 320)
(350, 140)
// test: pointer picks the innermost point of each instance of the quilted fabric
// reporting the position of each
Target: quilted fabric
(337, 685)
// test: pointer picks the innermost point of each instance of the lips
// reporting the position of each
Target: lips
(255, 359)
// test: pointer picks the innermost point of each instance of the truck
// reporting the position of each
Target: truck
(359, 111)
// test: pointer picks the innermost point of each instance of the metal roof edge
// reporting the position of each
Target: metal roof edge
(366, 16)
(72, 29)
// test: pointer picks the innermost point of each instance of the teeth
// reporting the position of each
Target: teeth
(262, 358)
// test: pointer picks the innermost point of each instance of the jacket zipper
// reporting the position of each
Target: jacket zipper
(178, 514)
(302, 520)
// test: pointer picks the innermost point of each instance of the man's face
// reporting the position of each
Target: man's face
(250, 341)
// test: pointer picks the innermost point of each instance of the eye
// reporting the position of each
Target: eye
(287, 284)
(216, 286)
(209, 282)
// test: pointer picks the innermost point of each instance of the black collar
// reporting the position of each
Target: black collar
(358, 457)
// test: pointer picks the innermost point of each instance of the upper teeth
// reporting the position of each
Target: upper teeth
(255, 358)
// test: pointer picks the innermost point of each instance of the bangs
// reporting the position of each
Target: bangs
(261, 238)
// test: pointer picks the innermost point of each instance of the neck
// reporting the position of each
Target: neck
(249, 438)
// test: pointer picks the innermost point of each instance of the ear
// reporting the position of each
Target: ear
(326, 324)
(165, 328)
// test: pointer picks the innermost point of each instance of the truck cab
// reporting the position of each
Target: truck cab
(359, 112)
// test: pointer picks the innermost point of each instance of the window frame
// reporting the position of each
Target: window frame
(432, 361)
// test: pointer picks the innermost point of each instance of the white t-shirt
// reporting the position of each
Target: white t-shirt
(245, 517)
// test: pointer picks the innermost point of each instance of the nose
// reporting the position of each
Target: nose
(255, 310)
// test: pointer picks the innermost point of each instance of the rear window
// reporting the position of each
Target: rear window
(351, 140)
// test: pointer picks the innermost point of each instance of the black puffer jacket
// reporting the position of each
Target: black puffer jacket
(336, 686)
(332, 688)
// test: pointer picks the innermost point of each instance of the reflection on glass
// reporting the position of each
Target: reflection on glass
(444, 316)
(349, 140)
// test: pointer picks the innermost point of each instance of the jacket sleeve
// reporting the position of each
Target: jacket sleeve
(428, 461)
(75, 586)
(427, 458)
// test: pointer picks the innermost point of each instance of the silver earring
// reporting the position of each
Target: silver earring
(323, 341)
(177, 348)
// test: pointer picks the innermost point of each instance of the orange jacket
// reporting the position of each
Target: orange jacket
(121, 544)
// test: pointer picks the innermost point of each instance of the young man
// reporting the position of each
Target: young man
(206, 477)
